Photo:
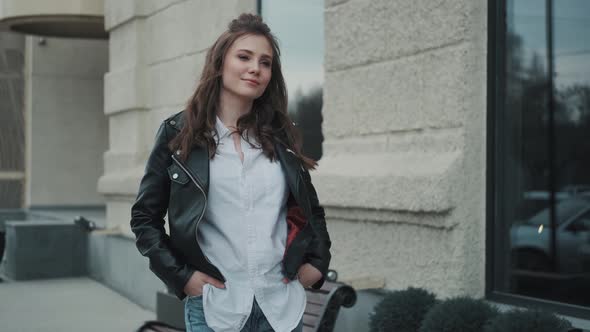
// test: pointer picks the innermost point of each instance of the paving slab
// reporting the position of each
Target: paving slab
(64, 305)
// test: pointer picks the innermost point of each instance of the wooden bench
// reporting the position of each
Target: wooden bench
(324, 304)
(320, 314)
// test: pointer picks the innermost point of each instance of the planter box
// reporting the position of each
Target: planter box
(44, 249)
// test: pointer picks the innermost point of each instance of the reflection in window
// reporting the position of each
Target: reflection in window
(299, 26)
(543, 155)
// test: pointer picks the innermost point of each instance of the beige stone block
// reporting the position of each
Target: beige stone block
(408, 182)
(170, 34)
(127, 45)
(118, 160)
(424, 91)
(117, 12)
(150, 7)
(126, 130)
(173, 82)
(212, 18)
(429, 140)
(125, 89)
(435, 219)
(121, 183)
(403, 255)
(363, 32)
(190, 26)
(153, 121)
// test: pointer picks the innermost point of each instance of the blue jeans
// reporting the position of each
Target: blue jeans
(194, 318)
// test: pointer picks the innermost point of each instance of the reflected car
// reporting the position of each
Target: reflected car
(531, 239)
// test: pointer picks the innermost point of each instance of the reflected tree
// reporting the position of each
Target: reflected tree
(306, 111)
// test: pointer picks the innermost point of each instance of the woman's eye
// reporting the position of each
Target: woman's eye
(243, 57)
(266, 64)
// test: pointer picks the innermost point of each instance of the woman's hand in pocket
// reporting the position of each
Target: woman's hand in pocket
(194, 286)
(308, 275)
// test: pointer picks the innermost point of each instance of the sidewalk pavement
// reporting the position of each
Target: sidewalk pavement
(64, 305)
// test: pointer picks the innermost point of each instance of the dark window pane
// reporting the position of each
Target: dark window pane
(542, 224)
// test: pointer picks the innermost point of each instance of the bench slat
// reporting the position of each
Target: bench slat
(314, 309)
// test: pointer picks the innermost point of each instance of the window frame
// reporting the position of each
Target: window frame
(495, 97)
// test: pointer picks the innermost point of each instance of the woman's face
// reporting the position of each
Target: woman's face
(247, 67)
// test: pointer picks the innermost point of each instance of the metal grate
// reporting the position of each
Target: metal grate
(14, 60)
(12, 128)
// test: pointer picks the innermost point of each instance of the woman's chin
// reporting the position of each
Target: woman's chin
(249, 96)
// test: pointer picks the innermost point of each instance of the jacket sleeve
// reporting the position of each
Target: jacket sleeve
(147, 219)
(318, 250)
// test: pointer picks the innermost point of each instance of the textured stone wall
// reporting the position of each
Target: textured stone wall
(403, 174)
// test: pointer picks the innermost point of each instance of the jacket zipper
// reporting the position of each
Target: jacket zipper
(204, 195)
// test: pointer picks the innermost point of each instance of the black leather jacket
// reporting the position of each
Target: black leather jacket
(180, 189)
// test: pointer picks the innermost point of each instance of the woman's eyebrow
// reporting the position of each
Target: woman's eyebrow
(250, 52)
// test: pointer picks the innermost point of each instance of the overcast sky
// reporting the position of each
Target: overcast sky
(299, 26)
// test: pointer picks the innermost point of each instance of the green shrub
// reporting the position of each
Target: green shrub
(402, 311)
(522, 320)
(461, 314)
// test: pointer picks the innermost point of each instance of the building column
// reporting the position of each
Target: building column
(403, 172)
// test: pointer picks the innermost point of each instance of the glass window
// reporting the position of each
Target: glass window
(541, 141)
(299, 26)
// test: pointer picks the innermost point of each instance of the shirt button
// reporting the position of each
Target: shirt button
(175, 176)
(173, 122)
(177, 152)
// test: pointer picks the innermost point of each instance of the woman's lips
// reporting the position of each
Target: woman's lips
(252, 82)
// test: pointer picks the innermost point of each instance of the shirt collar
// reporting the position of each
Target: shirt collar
(222, 130)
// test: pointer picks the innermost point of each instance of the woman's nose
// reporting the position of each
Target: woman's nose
(254, 68)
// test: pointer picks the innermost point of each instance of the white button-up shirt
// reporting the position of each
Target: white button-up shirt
(244, 234)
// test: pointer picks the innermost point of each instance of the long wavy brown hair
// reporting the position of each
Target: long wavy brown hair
(268, 120)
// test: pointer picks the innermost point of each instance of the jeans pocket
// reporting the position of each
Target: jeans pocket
(194, 317)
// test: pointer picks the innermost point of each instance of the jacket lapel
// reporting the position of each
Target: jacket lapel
(198, 164)
(292, 166)
(198, 160)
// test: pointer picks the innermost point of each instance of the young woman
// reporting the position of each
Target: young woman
(247, 233)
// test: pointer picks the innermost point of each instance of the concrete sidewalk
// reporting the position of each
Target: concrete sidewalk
(64, 305)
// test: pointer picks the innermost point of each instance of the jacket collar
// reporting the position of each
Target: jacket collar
(198, 159)
(222, 130)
